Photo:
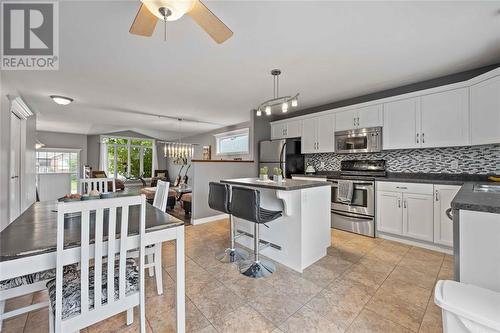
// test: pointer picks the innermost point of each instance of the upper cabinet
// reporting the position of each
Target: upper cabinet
(485, 112)
(287, 129)
(445, 119)
(435, 120)
(368, 116)
(318, 135)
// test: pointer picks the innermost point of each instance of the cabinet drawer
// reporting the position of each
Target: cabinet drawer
(405, 187)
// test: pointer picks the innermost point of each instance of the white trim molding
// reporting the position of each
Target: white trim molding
(209, 219)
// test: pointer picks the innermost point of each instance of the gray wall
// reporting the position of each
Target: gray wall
(4, 157)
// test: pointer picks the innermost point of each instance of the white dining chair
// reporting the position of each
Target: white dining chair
(85, 185)
(82, 294)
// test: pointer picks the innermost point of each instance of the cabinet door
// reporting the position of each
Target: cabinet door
(370, 116)
(325, 135)
(308, 141)
(293, 129)
(485, 112)
(277, 131)
(345, 120)
(443, 226)
(389, 212)
(418, 216)
(445, 118)
(400, 124)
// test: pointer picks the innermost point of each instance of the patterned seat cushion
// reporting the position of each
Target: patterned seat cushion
(71, 287)
(27, 279)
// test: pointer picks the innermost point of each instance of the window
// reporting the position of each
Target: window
(129, 157)
(233, 143)
(58, 161)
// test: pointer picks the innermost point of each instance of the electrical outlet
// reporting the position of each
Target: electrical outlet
(454, 164)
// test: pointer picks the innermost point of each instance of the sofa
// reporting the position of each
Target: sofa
(119, 184)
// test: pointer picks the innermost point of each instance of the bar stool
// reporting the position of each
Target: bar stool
(219, 199)
(245, 204)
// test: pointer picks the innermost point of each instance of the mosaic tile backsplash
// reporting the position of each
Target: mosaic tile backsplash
(473, 160)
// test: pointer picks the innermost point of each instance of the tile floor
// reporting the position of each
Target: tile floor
(363, 285)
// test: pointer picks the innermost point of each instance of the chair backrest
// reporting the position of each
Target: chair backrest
(100, 219)
(219, 197)
(101, 184)
(161, 174)
(161, 195)
(245, 203)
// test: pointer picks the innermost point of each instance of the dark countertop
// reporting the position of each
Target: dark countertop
(467, 199)
(35, 231)
(405, 177)
(285, 185)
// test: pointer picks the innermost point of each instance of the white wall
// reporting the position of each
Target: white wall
(4, 157)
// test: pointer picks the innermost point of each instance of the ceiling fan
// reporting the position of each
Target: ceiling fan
(171, 10)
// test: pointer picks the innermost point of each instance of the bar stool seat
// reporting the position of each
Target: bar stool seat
(245, 204)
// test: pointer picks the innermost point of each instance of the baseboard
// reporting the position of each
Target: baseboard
(209, 219)
(427, 246)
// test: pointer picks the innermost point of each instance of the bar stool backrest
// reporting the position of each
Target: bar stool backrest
(219, 196)
(245, 204)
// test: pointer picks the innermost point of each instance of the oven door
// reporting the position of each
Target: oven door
(363, 198)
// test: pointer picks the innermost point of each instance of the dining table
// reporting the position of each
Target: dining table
(28, 244)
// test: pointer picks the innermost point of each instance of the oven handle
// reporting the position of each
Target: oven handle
(354, 217)
(359, 187)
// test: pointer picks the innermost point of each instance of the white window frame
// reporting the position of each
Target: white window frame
(129, 146)
(60, 150)
(238, 132)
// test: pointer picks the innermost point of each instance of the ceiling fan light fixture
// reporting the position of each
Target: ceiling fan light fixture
(61, 100)
(177, 8)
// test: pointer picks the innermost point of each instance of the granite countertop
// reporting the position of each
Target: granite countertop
(285, 185)
(467, 199)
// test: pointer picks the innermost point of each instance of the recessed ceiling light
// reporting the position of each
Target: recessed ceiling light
(61, 100)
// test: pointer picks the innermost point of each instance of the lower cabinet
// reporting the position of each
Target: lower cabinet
(416, 211)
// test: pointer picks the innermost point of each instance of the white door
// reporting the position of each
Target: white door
(370, 116)
(325, 135)
(445, 118)
(389, 212)
(401, 125)
(15, 167)
(443, 226)
(418, 216)
(485, 112)
(345, 120)
(308, 142)
(293, 129)
(277, 131)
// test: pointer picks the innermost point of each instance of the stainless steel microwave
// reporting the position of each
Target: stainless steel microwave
(361, 140)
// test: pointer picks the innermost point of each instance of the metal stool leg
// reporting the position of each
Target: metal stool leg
(232, 254)
(257, 268)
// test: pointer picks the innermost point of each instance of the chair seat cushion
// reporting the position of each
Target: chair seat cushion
(268, 215)
(187, 197)
(71, 287)
(27, 279)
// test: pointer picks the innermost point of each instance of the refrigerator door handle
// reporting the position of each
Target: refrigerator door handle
(282, 161)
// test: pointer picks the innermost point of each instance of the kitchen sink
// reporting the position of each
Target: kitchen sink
(487, 188)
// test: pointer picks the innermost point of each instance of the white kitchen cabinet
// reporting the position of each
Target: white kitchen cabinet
(445, 118)
(287, 129)
(418, 216)
(368, 116)
(401, 124)
(485, 112)
(443, 226)
(389, 212)
(318, 135)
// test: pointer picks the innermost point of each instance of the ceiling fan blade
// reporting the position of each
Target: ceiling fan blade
(209, 22)
(144, 22)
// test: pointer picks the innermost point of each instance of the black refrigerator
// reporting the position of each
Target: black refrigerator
(284, 154)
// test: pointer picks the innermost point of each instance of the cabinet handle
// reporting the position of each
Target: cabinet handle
(437, 195)
(417, 138)
(358, 121)
(402, 187)
(404, 203)
(399, 203)
(423, 138)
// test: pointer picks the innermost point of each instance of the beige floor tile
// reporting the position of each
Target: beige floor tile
(18, 302)
(370, 322)
(406, 292)
(340, 302)
(320, 275)
(370, 273)
(216, 303)
(349, 252)
(118, 324)
(307, 320)
(224, 271)
(432, 322)
(247, 288)
(428, 265)
(38, 321)
(207, 329)
(386, 254)
(419, 278)
(164, 321)
(275, 306)
(334, 264)
(14, 324)
(294, 286)
(150, 283)
(245, 320)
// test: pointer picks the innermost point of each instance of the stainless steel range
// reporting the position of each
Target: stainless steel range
(357, 215)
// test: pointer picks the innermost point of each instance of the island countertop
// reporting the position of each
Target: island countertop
(468, 199)
(285, 185)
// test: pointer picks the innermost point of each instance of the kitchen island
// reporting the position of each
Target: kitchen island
(302, 235)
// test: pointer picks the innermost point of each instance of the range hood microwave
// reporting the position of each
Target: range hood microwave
(361, 140)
